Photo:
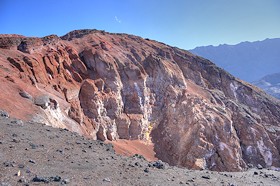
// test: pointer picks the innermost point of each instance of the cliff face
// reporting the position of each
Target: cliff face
(117, 86)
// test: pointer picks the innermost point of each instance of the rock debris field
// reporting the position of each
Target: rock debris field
(36, 154)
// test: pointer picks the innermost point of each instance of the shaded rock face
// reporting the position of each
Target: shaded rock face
(110, 86)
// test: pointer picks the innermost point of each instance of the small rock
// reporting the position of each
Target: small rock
(159, 164)
(139, 156)
(146, 170)
(22, 180)
(250, 165)
(78, 142)
(4, 114)
(259, 166)
(42, 101)
(31, 161)
(110, 148)
(106, 180)
(65, 181)
(206, 177)
(56, 178)
(40, 179)
(21, 166)
(16, 140)
(17, 122)
(25, 95)
(256, 173)
(33, 146)
(8, 164)
(131, 165)
(60, 150)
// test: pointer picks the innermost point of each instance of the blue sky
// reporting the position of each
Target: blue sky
(182, 23)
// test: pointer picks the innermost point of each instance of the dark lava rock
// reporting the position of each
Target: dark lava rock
(139, 156)
(159, 164)
(41, 179)
(47, 179)
(206, 177)
(8, 164)
(31, 161)
(4, 114)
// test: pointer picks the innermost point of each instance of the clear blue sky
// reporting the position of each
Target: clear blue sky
(182, 23)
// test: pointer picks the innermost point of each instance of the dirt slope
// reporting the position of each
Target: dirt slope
(36, 154)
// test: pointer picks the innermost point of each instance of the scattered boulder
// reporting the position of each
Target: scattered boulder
(47, 179)
(158, 164)
(139, 156)
(42, 101)
(25, 94)
(206, 177)
(4, 114)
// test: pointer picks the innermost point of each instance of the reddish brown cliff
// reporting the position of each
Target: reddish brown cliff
(118, 86)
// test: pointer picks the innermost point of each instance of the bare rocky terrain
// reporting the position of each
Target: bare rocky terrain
(36, 154)
(130, 91)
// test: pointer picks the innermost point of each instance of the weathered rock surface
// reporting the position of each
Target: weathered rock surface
(117, 86)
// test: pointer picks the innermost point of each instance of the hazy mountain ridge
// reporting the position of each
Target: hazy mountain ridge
(271, 84)
(249, 61)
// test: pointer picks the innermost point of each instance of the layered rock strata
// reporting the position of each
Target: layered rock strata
(117, 86)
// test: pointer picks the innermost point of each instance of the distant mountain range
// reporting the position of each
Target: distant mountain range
(271, 84)
(249, 61)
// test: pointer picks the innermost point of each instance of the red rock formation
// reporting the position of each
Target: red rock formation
(117, 86)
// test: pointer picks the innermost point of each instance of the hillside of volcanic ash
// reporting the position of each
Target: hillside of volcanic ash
(117, 86)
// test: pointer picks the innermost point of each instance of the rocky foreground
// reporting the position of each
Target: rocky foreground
(117, 86)
(36, 154)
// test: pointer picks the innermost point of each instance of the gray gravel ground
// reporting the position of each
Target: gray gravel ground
(36, 154)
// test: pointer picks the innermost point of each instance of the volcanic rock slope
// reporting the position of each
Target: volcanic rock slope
(117, 86)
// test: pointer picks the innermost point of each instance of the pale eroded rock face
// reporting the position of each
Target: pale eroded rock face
(112, 86)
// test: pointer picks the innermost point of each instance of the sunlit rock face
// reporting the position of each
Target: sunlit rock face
(118, 86)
